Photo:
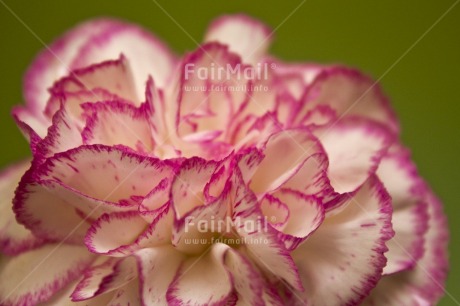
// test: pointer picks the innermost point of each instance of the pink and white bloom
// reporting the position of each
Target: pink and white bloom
(223, 177)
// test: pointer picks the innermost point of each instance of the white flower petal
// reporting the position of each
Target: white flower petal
(246, 36)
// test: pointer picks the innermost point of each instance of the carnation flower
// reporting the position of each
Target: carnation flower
(224, 177)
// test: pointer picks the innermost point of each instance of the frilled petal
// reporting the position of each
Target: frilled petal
(198, 224)
(92, 278)
(158, 233)
(32, 126)
(354, 148)
(285, 106)
(218, 183)
(106, 173)
(82, 184)
(121, 273)
(35, 276)
(208, 97)
(157, 268)
(163, 122)
(114, 76)
(118, 123)
(188, 185)
(155, 199)
(311, 177)
(261, 241)
(410, 224)
(146, 53)
(424, 284)
(248, 161)
(113, 230)
(277, 212)
(63, 135)
(36, 207)
(320, 115)
(246, 36)
(254, 130)
(124, 273)
(435, 259)
(73, 102)
(410, 217)
(349, 93)
(202, 272)
(285, 153)
(133, 233)
(248, 282)
(14, 237)
(346, 252)
(305, 216)
(296, 77)
(55, 62)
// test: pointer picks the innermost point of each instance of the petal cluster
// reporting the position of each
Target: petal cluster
(223, 177)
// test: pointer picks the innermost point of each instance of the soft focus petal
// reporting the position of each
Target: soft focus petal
(115, 76)
(349, 93)
(248, 282)
(410, 216)
(73, 102)
(55, 62)
(34, 127)
(206, 104)
(197, 272)
(157, 269)
(296, 76)
(146, 53)
(128, 295)
(63, 298)
(271, 297)
(246, 36)
(14, 237)
(354, 149)
(424, 285)
(35, 276)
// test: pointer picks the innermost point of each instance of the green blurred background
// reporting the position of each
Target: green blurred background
(370, 35)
